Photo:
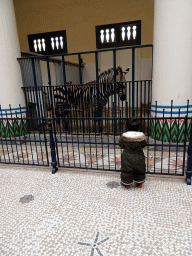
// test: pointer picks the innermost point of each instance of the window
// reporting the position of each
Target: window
(118, 35)
(48, 43)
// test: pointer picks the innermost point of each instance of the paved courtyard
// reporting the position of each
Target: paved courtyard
(87, 213)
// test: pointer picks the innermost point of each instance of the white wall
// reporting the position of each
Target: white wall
(44, 73)
(72, 73)
(89, 73)
(172, 55)
(146, 68)
(10, 73)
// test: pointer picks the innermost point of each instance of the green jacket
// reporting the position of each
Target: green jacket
(132, 158)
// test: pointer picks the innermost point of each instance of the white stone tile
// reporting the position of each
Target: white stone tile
(72, 207)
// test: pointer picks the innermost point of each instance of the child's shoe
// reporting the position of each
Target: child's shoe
(125, 186)
(139, 185)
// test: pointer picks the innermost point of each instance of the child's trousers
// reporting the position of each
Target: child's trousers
(133, 168)
(127, 178)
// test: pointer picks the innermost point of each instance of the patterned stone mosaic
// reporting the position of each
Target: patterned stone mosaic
(95, 245)
(77, 214)
(156, 161)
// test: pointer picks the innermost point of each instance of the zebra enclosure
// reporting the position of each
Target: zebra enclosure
(65, 91)
(93, 107)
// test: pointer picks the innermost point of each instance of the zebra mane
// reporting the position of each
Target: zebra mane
(108, 75)
(111, 70)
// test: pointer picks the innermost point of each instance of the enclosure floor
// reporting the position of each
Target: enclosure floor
(76, 213)
(92, 158)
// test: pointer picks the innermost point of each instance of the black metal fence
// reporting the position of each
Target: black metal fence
(69, 126)
(20, 144)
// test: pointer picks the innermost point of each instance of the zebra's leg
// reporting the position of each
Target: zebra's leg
(65, 122)
(95, 121)
(98, 122)
(95, 103)
(99, 115)
(57, 114)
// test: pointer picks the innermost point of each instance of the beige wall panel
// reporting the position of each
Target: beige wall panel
(79, 19)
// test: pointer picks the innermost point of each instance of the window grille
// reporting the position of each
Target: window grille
(119, 34)
(48, 43)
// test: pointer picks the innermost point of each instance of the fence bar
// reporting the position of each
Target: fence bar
(189, 162)
(64, 72)
(133, 84)
(80, 72)
(115, 84)
(50, 88)
(170, 133)
(80, 79)
(36, 94)
(162, 142)
(185, 136)
(96, 67)
(100, 123)
(87, 52)
(52, 146)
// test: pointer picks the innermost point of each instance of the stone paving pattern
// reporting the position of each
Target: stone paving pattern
(80, 213)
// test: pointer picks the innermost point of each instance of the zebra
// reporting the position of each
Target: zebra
(107, 88)
(92, 93)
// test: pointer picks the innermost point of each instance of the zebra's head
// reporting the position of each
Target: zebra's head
(107, 79)
(120, 85)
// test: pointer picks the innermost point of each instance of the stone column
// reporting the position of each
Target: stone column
(10, 73)
(172, 66)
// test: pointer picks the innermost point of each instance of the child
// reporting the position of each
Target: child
(132, 159)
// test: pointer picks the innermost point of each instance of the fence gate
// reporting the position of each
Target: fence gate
(22, 138)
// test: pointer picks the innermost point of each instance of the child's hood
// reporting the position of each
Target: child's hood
(133, 136)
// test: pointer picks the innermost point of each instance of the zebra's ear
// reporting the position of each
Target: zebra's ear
(126, 71)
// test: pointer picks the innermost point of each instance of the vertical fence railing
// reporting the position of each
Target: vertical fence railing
(189, 158)
(133, 84)
(64, 71)
(50, 88)
(52, 104)
(115, 84)
(52, 147)
(81, 94)
(36, 94)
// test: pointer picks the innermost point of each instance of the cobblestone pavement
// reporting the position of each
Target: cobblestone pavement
(82, 213)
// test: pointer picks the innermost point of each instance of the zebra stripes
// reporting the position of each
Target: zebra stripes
(91, 94)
